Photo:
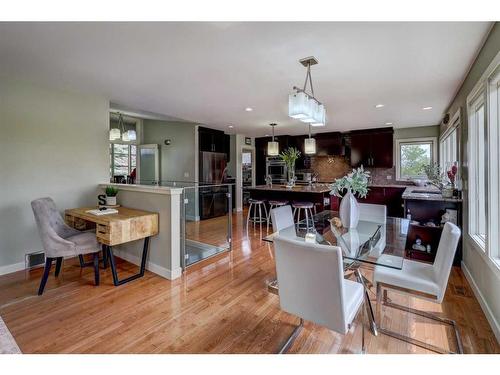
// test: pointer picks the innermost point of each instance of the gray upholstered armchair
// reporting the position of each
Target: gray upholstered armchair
(61, 241)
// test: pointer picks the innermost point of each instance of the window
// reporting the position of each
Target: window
(449, 144)
(412, 155)
(483, 183)
(493, 125)
(122, 159)
(477, 169)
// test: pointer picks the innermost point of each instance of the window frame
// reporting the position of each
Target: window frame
(453, 130)
(490, 76)
(420, 140)
(474, 102)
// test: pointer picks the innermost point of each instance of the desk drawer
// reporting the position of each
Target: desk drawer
(102, 232)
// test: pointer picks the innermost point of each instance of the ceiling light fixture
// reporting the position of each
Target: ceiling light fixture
(380, 105)
(388, 123)
(426, 108)
(273, 146)
(249, 109)
(305, 107)
(230, 126)
(309, 144)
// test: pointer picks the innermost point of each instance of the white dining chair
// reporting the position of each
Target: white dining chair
(421, 280)
(281, 218)
(376, 213)
(312, 287)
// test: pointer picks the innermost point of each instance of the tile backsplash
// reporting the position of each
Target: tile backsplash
(329, 168)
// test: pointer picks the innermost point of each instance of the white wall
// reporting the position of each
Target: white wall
(177, 160)
(52, 143)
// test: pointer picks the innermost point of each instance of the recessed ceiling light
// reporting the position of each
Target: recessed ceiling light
(267, 135)
(426, 108)
(379, 106)
(388, 123)
(249, 109)
(230, 126)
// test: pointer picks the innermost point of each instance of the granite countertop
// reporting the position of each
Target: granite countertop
(426, 193)
(314, 188)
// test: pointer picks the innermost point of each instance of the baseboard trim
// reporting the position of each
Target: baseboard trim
(482, 302)
(160, 271)
(10, 268)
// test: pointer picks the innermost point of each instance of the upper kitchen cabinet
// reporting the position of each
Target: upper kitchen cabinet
(372, 148)
(212, 140)
(328, 144)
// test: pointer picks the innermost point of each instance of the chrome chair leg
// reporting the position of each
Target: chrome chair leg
(291, 338)
(363, 321)
(382, 296)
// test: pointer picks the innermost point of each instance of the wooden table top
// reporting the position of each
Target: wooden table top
(124, 213)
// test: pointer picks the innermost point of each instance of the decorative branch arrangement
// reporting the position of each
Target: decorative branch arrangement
(356, 182)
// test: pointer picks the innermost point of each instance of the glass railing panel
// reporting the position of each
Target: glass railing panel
(207, 221)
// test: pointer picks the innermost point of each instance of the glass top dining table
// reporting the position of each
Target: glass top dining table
(371, 242)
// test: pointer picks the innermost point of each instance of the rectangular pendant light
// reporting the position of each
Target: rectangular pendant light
(272, 148)
(309, 146)
(114, 134)
(319, 116)
(312, 109)
(298, 105)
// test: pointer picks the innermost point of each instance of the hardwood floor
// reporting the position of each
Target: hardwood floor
(219, 307)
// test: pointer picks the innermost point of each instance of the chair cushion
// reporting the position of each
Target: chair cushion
(416, 276)
(353, 298)
(85, 243)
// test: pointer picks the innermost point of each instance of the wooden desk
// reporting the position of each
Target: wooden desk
(115, 229)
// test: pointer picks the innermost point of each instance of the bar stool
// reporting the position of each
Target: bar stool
(256, 204)
(307, 208)
(273, 204)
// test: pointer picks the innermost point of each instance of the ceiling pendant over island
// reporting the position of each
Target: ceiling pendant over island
(273, 146)
(303, 106)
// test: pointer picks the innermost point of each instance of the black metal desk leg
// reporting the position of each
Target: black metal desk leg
(116, 281)
(104, 256)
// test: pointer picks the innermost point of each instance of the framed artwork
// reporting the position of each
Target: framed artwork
(248, 140)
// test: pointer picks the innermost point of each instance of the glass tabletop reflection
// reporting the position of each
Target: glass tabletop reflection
(369, 242)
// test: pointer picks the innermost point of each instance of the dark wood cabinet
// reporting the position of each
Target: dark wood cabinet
(328, 144)
(391, 197)
(212, 140)
(372, 148)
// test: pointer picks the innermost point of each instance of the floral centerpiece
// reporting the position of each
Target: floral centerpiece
(355, 182)
(290, 156)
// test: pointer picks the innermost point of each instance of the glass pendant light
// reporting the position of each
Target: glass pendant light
(319, 116)
(298, 105)
(273, 146)
(305, 107)
(309, 144)
(114, 134)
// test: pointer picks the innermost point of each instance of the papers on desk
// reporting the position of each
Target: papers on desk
(97, 212)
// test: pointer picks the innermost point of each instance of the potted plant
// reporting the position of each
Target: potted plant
(111, 192)
(290, 156)
(355, 182)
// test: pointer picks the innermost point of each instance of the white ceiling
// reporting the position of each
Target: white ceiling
(210, 72)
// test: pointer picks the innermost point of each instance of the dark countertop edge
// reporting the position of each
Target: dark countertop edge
(282, 189)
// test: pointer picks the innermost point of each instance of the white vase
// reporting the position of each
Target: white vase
(111, 201)
(349, 211)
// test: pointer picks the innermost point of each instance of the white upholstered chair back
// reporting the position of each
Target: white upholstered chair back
(376, 213)
(444, 257)
(282, 217)
(310, 279)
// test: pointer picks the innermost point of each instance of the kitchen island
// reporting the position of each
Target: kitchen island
(318, 194)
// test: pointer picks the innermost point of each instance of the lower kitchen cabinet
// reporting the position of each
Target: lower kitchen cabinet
(391, 197)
